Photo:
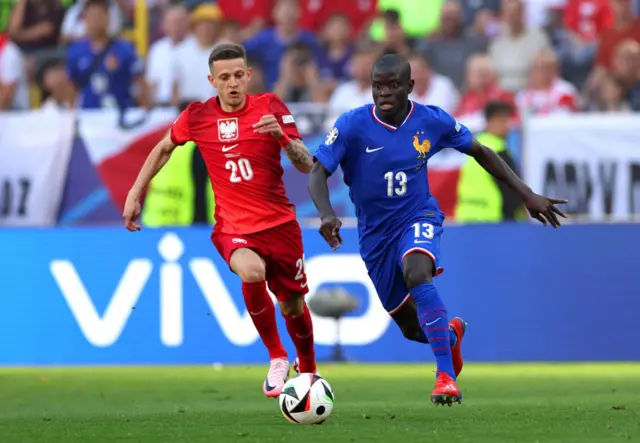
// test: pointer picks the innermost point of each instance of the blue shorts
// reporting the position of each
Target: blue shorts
(386, 270)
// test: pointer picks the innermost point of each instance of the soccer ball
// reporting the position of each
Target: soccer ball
(306, 399)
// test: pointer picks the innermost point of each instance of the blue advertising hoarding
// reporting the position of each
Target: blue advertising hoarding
(105, 296)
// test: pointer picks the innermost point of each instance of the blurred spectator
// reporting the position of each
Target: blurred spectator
(299, 77)
(431, 88)
(231, 32)
(481, 86)
(626, 70)
(481, 197)
(416, 18)
(449, 49)
(52, 78)
(162, 55)
(73, 25)
(513, 50)
(104, 69)
(585, 20)
(192, 56)
(35, 24)
(256, 85)
(611, 97)
(356, 92)
(337, 48)
(474, 9)
(486, 24)
(395, 39)
(269, 45)
(14, 91)
(251, 15)
(316, 13)
(626, 25)
(536, 12)
(546, 93)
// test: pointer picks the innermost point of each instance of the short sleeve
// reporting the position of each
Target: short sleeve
(284, 117)
(452, 134)
(11, 65)
(180, 128)
(334, 148)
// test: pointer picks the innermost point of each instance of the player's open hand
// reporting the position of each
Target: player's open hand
(330, 231)
(131, 213)
(268, 124)
(544, 210)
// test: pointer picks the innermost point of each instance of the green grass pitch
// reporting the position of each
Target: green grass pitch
(374, 403)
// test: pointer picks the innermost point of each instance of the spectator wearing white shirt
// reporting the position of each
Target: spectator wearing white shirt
(192, 56)
(14, 90)
(73, 25)
(431, 88)
(356, 92)
(546, 93)
(162, 54)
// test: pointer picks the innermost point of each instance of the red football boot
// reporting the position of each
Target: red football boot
(459, 326)
(446, 390)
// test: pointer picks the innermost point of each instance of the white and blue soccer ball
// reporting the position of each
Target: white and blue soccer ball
(306, 399)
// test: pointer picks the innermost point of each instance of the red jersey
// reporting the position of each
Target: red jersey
(244, 167)
(315, 13)
(588, 18)
(245, 11)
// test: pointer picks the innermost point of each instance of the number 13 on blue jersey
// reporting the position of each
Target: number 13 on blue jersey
(396, 183)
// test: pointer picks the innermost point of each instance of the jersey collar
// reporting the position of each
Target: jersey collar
(387, 125)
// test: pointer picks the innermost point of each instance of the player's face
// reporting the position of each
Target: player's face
(231, 79)
(390, 91)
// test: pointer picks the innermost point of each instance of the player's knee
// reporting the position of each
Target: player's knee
(252, 274)
(292, 307)
(416, 276)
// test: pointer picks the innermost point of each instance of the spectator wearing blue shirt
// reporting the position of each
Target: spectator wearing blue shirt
(337, 48)
(269, 45)
(104, 69)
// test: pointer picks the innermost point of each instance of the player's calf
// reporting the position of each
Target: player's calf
(299, 324)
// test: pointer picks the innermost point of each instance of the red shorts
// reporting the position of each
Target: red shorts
(281, 249)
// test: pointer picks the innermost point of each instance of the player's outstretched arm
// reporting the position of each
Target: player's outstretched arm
(158, 157)
(319, 190)
(540, 207)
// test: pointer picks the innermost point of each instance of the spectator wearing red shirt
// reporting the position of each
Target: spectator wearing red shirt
(587, 19)
(315, 13)
(481, 87)
(626, 26)
(251, 15)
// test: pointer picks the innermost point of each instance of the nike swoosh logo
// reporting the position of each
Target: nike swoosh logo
(228, 148)
(373, 150)
(303, 285)
(421, 241)
(432, 322)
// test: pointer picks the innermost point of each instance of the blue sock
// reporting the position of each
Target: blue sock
(433, 319)
(453, 337)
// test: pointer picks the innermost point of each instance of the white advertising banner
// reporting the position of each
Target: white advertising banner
(592, 160)
(35, 148)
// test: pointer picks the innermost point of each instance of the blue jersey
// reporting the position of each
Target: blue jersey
(385, 168)
(109, 85)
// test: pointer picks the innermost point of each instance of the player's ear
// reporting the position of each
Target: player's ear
(249, 73)
(212, 80)
(411, 83)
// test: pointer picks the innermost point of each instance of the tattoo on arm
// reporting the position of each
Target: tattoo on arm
(299, 155)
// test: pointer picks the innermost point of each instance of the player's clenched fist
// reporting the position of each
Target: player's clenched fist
(330, 231)
(131, 213)
(268, 124)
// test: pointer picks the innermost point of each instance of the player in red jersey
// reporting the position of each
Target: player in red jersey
(240, 137)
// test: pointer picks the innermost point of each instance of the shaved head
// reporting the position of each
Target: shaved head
(392, 84)
(393, 64)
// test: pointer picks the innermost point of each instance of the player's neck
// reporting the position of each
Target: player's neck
(394, 119)
(99, 41)
(230, 108)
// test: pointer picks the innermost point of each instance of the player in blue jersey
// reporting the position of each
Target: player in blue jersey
(383, 150)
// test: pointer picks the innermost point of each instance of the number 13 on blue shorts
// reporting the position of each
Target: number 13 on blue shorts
(422, 236)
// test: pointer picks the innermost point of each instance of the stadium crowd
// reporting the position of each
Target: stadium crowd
(544, 56)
